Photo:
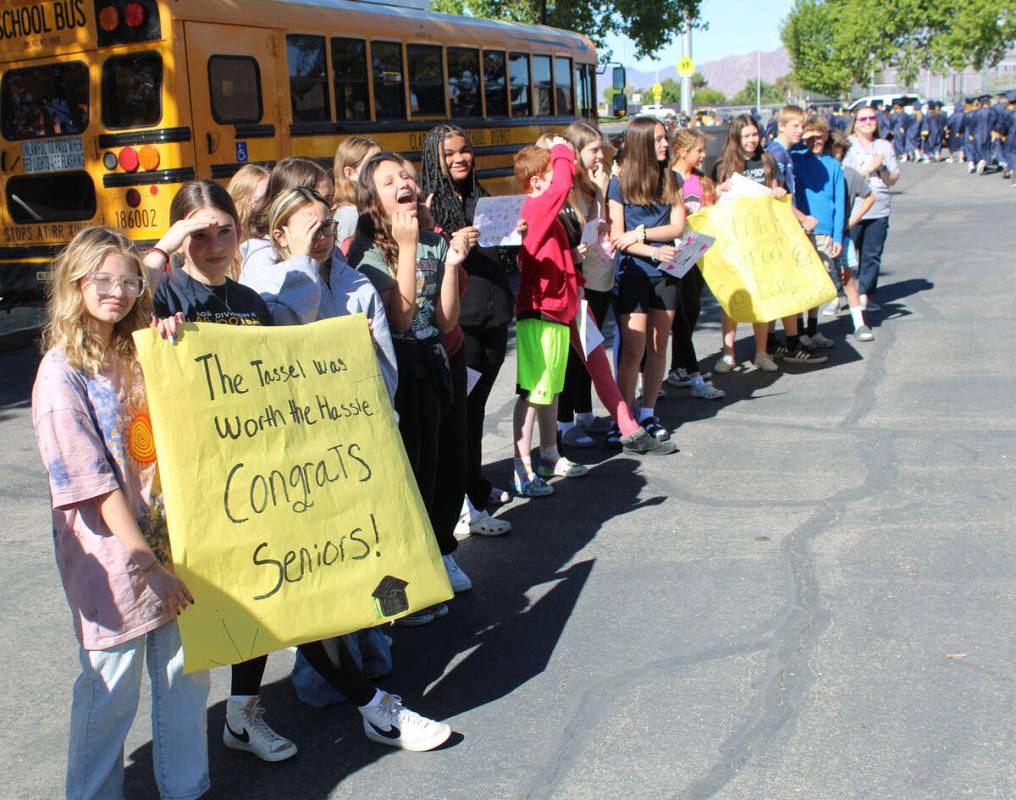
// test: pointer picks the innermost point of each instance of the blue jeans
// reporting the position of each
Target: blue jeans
(869, 239)
(105, 700)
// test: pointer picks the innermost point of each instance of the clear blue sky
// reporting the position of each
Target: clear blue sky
(735, 26)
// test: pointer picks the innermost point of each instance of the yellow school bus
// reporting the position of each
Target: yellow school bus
(107, 106)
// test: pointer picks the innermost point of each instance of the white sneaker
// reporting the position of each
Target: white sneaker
(246, 729)
(765, 363)
(821, 342)
(980, 166)
(724, 364)
(831, 309)
(393, 724)
(460, 581)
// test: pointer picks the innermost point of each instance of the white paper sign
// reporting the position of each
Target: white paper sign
(739, 186)
(596, 259)
(689, 252)
(496, 217)
(589, 333)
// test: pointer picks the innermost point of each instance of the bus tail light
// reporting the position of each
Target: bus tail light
(126, 21)
(133, 198)
(129, 160)
(149, 157)
(109, 161)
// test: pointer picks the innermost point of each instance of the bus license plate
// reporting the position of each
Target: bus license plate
(52, 155)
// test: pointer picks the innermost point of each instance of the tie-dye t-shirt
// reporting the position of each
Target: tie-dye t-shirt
(94, 436)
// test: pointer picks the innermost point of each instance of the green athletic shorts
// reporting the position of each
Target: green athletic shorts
(541, 349)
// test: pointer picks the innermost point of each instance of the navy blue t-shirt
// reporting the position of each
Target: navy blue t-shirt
(652, 216)
(783, 160)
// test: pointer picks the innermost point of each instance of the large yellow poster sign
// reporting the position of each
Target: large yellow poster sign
(292, 510)
(762, 266)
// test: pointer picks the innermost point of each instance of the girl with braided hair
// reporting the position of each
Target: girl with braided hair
(449, 182)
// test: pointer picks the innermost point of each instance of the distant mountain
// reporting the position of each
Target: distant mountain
(729, 74)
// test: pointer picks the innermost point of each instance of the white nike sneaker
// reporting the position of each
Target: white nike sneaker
(246, 729)
(393, 724)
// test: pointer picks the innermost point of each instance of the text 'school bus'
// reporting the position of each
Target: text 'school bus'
(108, 106)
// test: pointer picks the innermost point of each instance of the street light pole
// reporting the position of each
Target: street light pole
(758, 80)
(686, 79)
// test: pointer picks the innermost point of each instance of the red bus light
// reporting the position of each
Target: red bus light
(133, 198)
(129, 160)
(134, 15)
(109, 19)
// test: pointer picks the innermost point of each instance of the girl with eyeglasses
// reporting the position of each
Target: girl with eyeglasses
(90, 414)
(875, 159)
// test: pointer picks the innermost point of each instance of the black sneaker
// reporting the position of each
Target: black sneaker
(641, 443)
(802, 355)
(614, 436)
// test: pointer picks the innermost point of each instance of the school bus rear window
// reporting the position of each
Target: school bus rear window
(132, 90)
(234, 83)
(563, 86)
(543, 87)
(45, 101)
(50, 197)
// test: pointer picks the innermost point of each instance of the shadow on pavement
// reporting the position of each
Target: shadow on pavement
(497, 637)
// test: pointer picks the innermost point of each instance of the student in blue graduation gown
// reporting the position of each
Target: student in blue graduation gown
(955, 133)
(980, 124)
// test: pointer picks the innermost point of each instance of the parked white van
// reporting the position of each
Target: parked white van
(887, 101)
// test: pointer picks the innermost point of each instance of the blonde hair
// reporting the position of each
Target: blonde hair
(788, 114)
(241, 188)
(284, 206)
(351, 152)
(684, 139)
(67, 329)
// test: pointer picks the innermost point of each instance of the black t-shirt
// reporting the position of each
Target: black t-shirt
(229, 304)
(754, 168)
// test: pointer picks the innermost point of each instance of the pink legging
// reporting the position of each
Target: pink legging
(598, 367)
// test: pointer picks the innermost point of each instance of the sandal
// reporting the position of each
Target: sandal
(534, 486)
(655, 429)
(564, 468)
(614, 436)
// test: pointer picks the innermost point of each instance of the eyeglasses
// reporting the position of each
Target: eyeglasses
(866, 119)
(328, 230)
(103, 282)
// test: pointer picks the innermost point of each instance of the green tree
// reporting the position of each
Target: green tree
(698, 81)
(671, 90)
(747, 96)
(708, 97)
(650, 24)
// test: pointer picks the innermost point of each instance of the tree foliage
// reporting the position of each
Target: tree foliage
(771, 95)
(708, 96)
(836, 43)
(650, 24)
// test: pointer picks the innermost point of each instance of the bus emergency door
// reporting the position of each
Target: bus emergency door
(234, 94)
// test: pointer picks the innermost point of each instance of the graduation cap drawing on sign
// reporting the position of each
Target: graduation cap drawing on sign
(390, 596)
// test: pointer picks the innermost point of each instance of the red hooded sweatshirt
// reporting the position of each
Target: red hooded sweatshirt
(550, 284)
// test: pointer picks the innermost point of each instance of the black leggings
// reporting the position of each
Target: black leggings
(450, 488)
(576, 397)
(682, 348)
(484, 350)
(345, 676)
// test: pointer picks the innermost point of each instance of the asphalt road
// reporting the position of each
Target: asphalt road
(814, 599)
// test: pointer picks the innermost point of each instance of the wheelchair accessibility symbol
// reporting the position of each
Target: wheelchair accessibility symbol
(241, 152)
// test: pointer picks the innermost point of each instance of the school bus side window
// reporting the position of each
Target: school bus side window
(349, 66)
(494, 83)
(563, 86)
(234, 83)
(464, 81)
(518, 74)
(308, 78)
(426, 81)
(389, 99)
(585, 89)
(45, 101)
(543, 87)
